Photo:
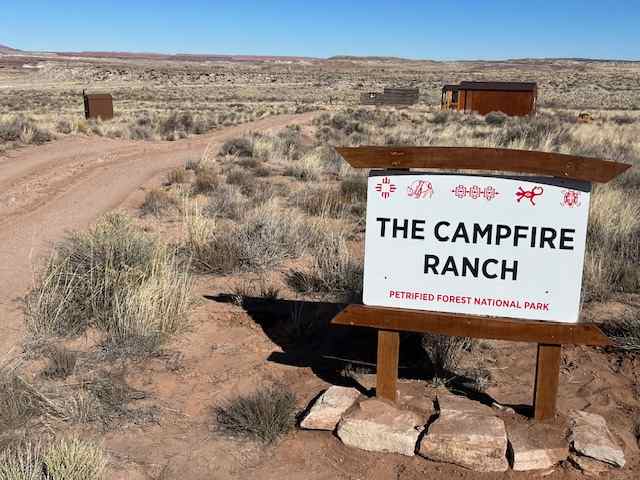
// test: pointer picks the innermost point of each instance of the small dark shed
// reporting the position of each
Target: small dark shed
(391, 96)
(98, 105)
(510, 98)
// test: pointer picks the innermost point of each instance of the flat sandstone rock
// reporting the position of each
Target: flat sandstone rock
(591, 437)
(448, 403)
(537, 446)
(378, 426)
(328, 409)
(476, 442)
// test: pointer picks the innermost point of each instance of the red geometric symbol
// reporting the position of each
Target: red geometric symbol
(385, 188)
(570, 198)
(529, 194)
(475, 192)
(420, 189)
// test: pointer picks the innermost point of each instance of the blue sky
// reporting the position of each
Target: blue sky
(479, 29)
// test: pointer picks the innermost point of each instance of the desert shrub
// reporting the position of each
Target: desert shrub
(19, 400)
(22, 461)
(177, 175)
(22, 130)
(115, 277)
(440, 118)
(539, 133)
(227, 202)
(192, 164)
(158, 201)
(73, 459)
(262, 171)
(321, 201)
(244, 179)
(445, 352)
(248, 163)
(62, 362)
(263, 415)
(289, 143)
(267, 236)
(64, 126)
(624, 119)
(140, 132)
(176, 123)
(625, 334)
(69, 459)
(333, 271)
(206, 181)
(309, 168)
(242, 147)
(254, 288)
(354, 187)
(495, 118)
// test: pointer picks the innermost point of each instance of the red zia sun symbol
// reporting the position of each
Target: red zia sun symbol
(386, 188)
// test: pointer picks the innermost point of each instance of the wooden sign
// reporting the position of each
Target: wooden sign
(408, 272)
(485, 245)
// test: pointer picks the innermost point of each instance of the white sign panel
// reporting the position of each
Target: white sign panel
(497, 246)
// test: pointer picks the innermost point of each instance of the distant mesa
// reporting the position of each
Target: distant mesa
(5, 50)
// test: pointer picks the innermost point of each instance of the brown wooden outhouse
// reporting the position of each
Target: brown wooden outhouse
(98, 105)
(510, 98)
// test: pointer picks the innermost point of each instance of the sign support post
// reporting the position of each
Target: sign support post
(549, 335)
(547, 380)
(387, 365)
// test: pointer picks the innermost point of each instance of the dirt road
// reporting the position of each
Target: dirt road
(48, 190)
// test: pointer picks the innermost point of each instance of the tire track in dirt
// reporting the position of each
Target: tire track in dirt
(56, 200)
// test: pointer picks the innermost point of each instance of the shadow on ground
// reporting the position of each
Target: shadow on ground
(307, 339)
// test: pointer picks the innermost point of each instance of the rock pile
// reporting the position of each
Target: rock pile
(465, 433)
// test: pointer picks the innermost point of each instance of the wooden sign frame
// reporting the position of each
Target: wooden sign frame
(548, 335)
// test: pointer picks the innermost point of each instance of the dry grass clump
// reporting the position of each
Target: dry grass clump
(445, 352)
(177, 175)
(333, 270)
(263, 415)
(258, 287)
(180, 125)
(158, 201)
(322, 201)
(64, 459)
(73, 459)
(207, 179)
(20, 401)
(241, 147)
(266, 236)
(62, 362)
(20, 130)
(115, 278)
(227, 201)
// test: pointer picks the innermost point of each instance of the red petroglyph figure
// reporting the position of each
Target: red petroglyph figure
(386, 188)
(475, 192)
(529, 194)
(570, 198)
(420, 189)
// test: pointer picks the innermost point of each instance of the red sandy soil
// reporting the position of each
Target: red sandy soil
(48, 190)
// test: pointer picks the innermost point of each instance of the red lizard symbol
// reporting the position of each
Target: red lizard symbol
(529, 194)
